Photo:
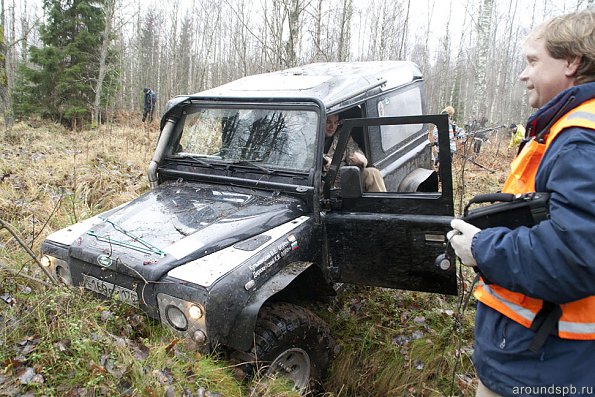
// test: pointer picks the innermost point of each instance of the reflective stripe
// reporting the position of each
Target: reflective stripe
(582, 115)
(520, 310)
(576, 328)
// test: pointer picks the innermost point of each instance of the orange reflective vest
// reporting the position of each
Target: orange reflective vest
(578, 317)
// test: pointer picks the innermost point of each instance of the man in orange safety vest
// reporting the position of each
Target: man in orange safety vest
(535, 320)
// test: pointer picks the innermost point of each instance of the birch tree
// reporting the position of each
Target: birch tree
(179, 47)
(3, 77)
(318, 54)
(479, 107)
(147, 51)
(403, 47)
(284, 22)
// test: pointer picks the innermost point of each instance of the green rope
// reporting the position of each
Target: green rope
(144, 247)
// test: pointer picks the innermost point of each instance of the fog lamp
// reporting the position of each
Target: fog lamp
(199, 336)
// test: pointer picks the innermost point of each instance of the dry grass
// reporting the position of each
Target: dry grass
(55, 176)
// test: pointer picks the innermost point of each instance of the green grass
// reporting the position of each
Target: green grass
(73, 342)
(396, 343)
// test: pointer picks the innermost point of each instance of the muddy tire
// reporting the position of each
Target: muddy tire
(293, 342)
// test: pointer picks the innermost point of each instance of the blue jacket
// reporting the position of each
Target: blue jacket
(554, 261)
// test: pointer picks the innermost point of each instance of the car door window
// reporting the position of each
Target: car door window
(406, 102)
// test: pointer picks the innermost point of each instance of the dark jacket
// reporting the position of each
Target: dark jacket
(554, 261)
(150, 99)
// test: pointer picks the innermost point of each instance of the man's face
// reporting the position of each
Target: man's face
(332, 122)
(545, 76)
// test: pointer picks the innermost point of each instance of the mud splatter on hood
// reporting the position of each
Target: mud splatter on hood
(175, 223)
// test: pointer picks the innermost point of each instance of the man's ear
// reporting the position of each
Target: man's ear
(573, 66)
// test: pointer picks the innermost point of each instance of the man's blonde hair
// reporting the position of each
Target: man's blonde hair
(570, 36)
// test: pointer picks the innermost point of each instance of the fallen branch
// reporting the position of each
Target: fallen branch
(30, 278)
(477, 164)
(26, 248)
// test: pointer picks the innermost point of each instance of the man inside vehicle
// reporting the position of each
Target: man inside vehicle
(371, 177)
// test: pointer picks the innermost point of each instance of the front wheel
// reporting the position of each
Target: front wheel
(292, 342)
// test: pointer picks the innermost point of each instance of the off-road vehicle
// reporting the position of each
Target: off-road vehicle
(242, 223)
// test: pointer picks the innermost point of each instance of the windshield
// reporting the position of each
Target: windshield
(275, 138)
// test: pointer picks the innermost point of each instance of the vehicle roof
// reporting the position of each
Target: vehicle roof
(335, 84)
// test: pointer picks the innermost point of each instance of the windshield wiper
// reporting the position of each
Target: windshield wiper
(199, 160)
(252, 164)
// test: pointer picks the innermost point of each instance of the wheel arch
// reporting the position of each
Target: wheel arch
(419, 180)
(287, 285)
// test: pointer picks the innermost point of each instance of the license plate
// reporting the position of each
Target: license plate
(111, 290)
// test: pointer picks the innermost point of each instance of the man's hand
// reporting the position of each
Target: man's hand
(327, 163)
(358, 158)
(461, 238)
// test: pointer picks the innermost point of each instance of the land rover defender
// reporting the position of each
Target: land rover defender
(242, 222)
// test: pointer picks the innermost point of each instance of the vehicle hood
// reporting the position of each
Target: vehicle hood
(176, 223)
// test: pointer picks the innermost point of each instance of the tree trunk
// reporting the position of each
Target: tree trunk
(483, 43)
(403, 47)
(3, 77)
(110, 6)
(293, 11)
(345, 31)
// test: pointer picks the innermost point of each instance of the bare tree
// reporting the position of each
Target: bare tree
(13, 50)
(3, 77)
(285, 20)
(293, 9)
(344, 42)
(318, 53)
(403, 48)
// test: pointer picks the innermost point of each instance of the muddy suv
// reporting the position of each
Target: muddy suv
(242, 224)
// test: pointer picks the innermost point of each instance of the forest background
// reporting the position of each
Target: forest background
(81, 62)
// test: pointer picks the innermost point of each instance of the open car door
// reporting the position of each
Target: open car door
(393, 239)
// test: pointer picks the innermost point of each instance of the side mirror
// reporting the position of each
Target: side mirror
(351, 182)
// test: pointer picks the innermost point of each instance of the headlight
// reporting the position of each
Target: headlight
(185, 317)
(176, 318)
(195, 312)
(59, 268)
(46, 261)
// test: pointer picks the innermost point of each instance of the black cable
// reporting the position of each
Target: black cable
(456, 323)
(464, 297)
